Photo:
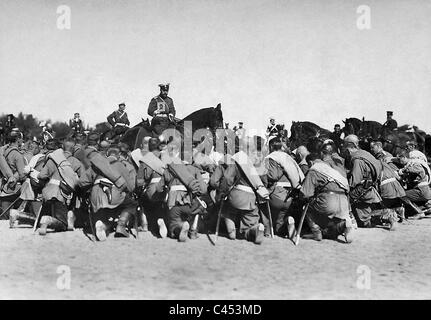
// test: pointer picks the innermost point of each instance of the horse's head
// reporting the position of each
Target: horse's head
(348, 127)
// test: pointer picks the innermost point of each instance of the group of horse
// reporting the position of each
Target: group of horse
(312, 136)
(304, 133)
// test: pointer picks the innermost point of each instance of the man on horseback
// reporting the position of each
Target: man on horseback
(273, 130)
(162, 109)
(390, 124)
(336, 136)
(76, 124)
(119, 120)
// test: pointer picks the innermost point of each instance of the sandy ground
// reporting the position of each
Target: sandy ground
(150, 268)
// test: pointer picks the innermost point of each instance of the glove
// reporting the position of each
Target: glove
(263, 192)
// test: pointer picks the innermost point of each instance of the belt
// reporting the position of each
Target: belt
(155, 180)
(54, 181)
(334, 192)
(244, 188)
(388, 181)
(284, 184)
(98, 181)
(121, 124)
(423, 183)
(178, 187)
(161, 115)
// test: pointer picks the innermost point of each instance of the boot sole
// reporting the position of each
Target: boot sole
(260, 234)
(291, 231)
(163, 231)
(100, 231)
(348, 234)
(184, 232)
(43, 230)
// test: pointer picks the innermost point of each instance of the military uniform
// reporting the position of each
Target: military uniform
(76, 125)
(280, 188)
(160, 109)
(328, 211)
(54, 203)
(241, 205)
(119, 121)
(109, 196)
(77, 165)
(365, 173)
(390, 124)
(181, 199)
(273, 130)
(418, 179)
(15, 161)
(151, 200)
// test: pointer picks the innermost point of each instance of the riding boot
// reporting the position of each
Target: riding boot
(230, 227)
(48, 222)
(121, 230)
(163, 231)
(390, 216)
(70, 220)
(344, 228)
(418, 212)
(316, 232)
(182, 236)
(20, 217)
(255, 233)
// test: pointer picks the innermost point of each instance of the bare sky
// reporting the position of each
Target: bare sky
(295, 60)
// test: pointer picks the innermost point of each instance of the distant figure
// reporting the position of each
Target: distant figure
(226, 125)
(10, 123)
(162, 109)
(47, 132)
(240, 131)
(76, 124)
(337, 136)
(119, 120)
(273, 129)
(390, 123)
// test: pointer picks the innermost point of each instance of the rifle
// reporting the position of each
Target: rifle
(301, 222)
(10, 206)
(38, 218)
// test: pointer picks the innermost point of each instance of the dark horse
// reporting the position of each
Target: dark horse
(308, 134)
(366, 130)
(211, 118)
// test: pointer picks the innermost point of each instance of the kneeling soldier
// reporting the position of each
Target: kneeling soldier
(328, 210)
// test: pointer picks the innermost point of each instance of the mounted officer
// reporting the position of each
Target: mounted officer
(162, 109)
(119, 120)
(76, 124)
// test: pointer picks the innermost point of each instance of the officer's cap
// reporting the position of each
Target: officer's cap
(390, 113)
(164, 86)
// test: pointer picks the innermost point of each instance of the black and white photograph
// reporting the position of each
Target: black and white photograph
(215, 150)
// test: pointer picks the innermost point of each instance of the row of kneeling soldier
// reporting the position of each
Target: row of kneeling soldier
(108, 189)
